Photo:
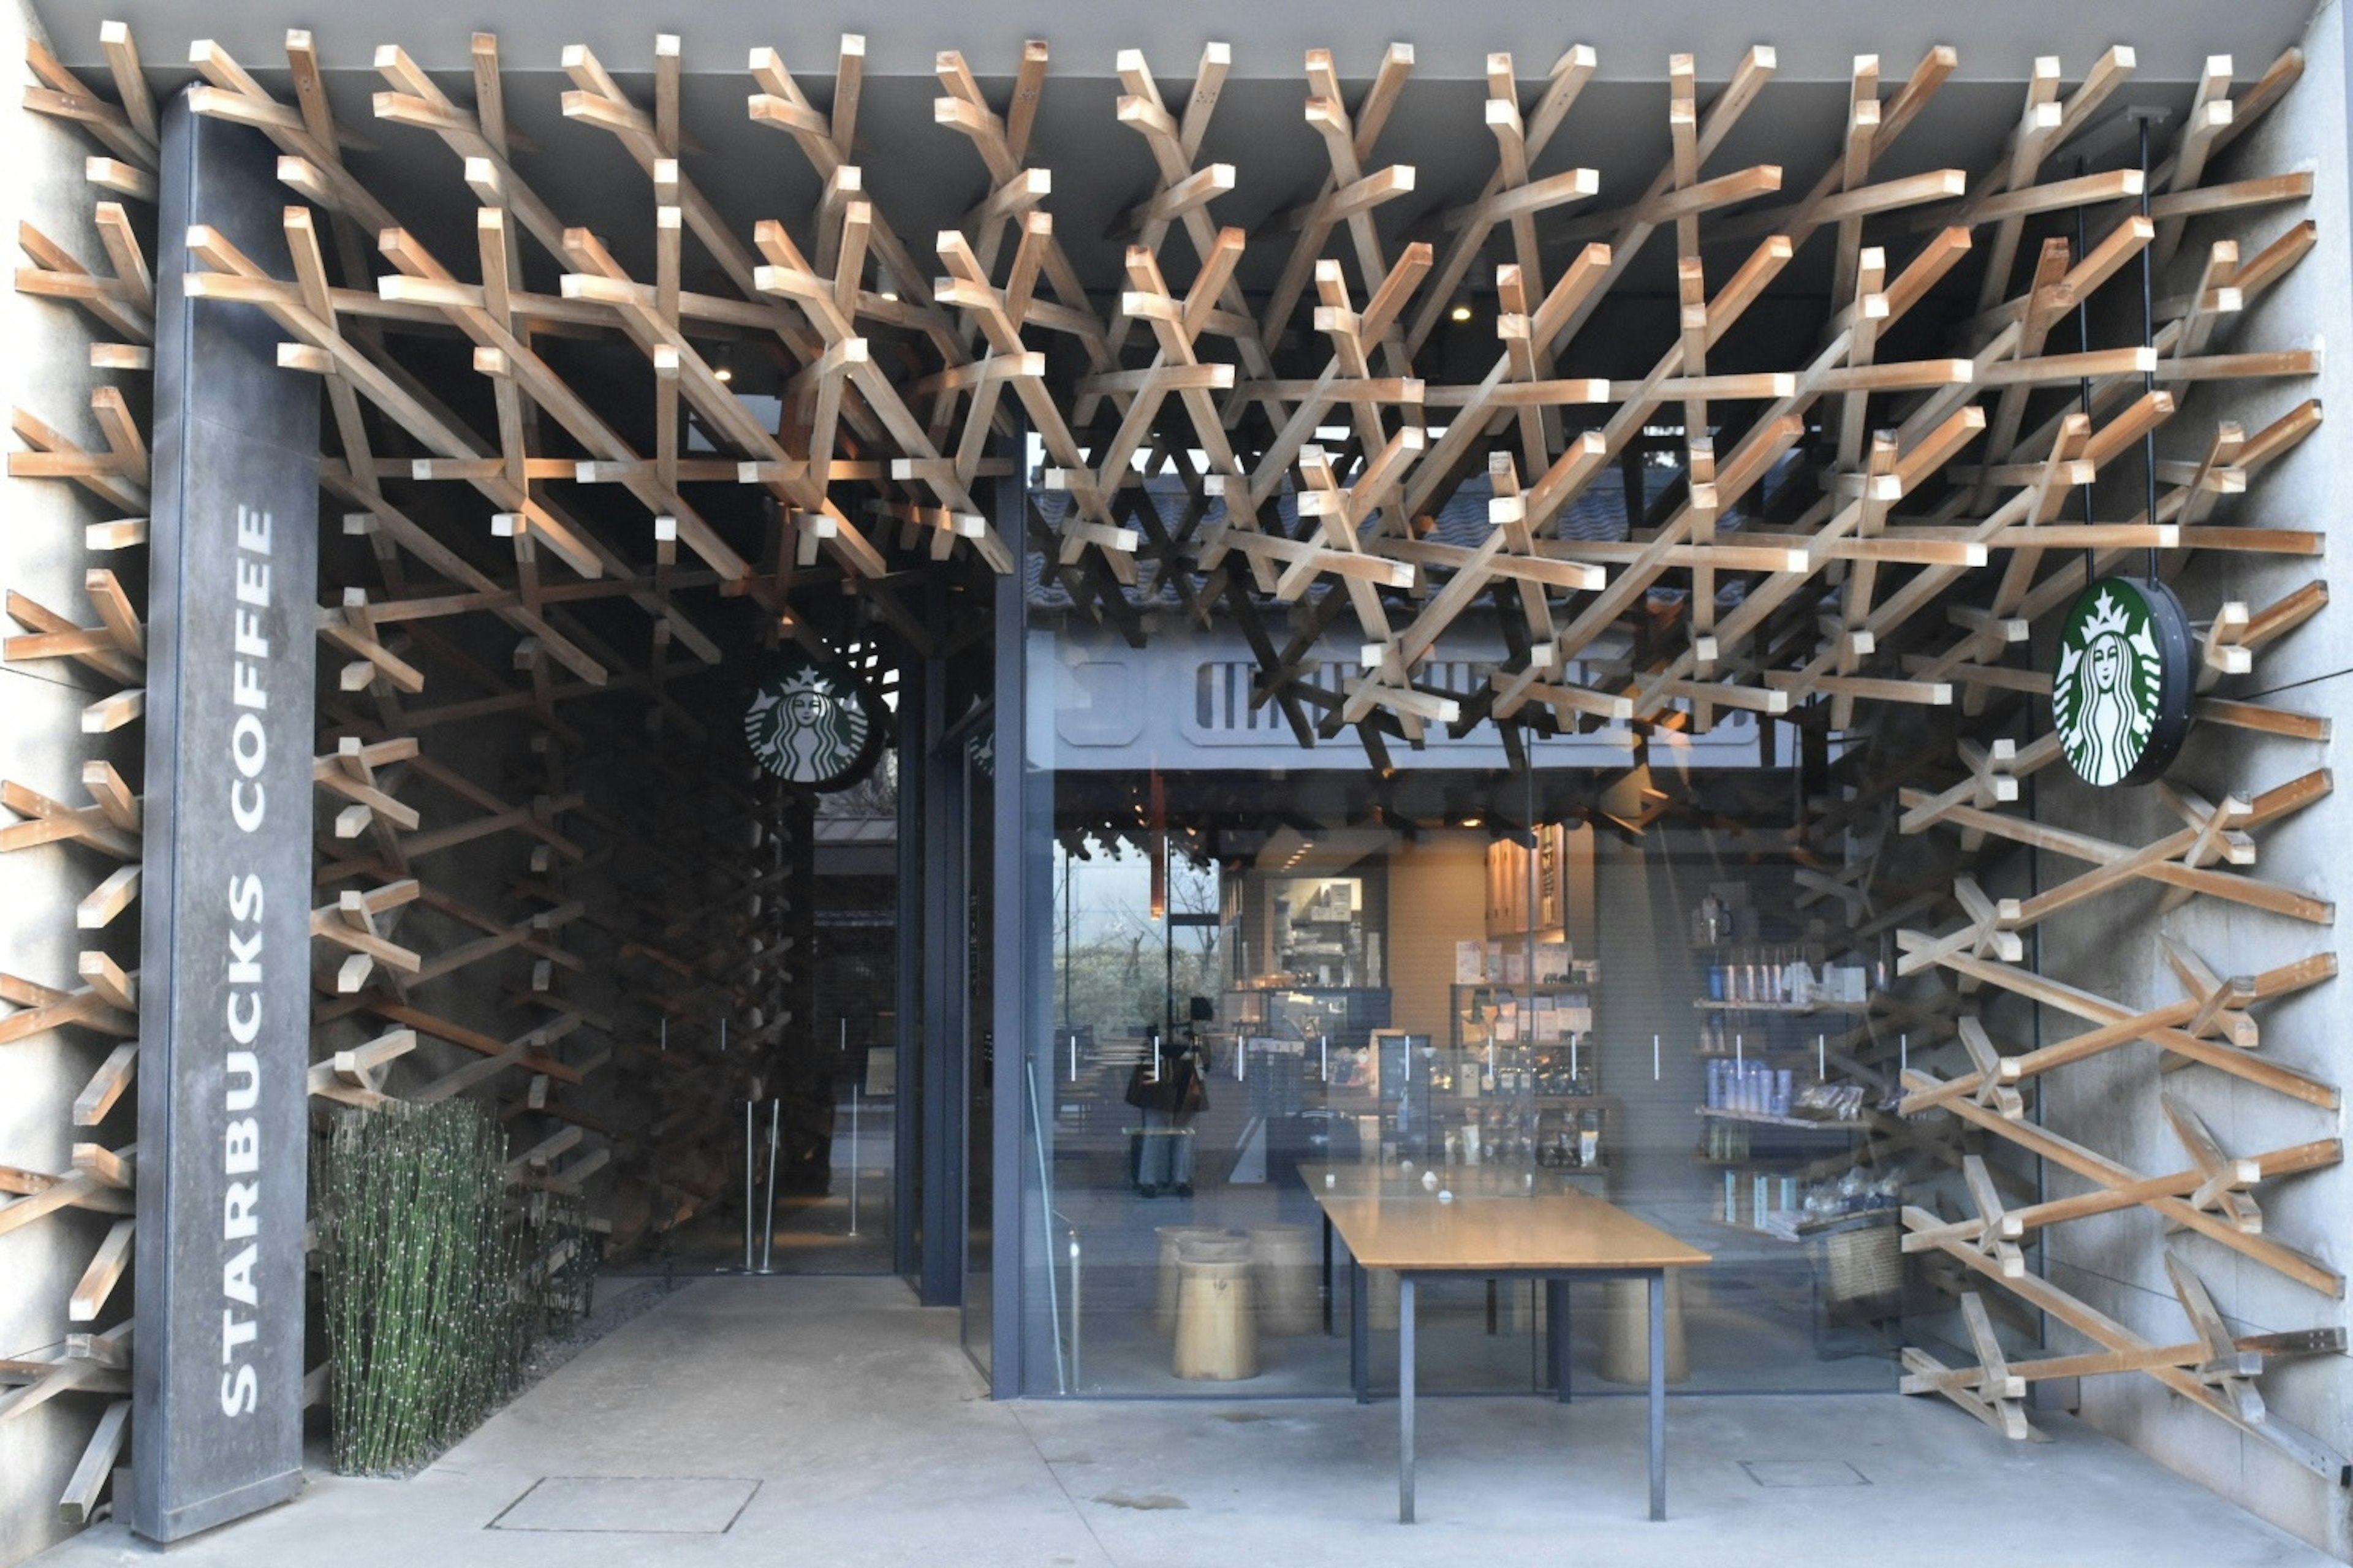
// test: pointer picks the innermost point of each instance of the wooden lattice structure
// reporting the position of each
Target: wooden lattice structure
(1851, 544)
(103, 646)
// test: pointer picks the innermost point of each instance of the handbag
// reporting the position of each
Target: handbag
(1151, 1090)
(1193, 1097)
(1176, 1090)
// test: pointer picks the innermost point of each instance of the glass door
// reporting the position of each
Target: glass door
(979, 851)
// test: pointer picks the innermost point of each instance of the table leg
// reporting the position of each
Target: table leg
(1327, 1274)
(1405, 1398)
(1360, 1335)
(1557, 1331)
(1658, 1393)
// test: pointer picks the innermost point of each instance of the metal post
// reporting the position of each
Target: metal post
(1046, 1213)
(1327, 1268)
(1360, 1337)
(1077, 1278)
(768, 1209)
(1658, 1393)
(854, 1156)
(1557, 1329)
(750, 1158)
(1405, 1398)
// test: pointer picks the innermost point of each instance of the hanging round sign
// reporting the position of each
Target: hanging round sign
(2120, 698)
(812, 723)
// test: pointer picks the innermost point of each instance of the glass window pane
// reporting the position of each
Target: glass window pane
(1447, 973)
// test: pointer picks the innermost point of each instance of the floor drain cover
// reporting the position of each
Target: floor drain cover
(635, 1505)
(1804, 1473)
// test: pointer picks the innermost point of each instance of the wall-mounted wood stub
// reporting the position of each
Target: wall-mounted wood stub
(97, 644)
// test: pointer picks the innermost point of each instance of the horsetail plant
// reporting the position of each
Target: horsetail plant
(432, 1292)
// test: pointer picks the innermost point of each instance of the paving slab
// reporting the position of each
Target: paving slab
(830, 1421)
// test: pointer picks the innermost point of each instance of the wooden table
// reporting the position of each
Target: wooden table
(1497, 1225)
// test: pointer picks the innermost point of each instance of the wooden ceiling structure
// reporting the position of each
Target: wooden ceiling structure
(867, 462)
(1850, 542)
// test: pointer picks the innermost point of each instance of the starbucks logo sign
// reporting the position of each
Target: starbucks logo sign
(2120, 696)
(812, 723)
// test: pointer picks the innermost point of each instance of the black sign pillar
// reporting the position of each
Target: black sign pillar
(224, 1006)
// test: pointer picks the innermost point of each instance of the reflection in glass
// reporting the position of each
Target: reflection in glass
(1468, 973)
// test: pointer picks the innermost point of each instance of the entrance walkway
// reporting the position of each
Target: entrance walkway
(827, 1421)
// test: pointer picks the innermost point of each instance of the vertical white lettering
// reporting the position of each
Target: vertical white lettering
(237, 1204)
(241, 1385)
(237, 1276)
(244, 1027)
(247, 1065)
(249, 745)
(244, 1141)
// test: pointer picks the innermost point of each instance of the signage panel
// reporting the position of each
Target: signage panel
(224, 965)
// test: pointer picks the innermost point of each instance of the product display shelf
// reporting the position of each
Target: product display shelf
(1765, 1118)
(1783, 1224)
(1725, 1163)
(1806, 1167)
(1517, 1063)
(1474, 1034)
(1523, 992)
(1767, 1232)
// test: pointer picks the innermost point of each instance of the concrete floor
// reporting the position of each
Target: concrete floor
(829, 1421)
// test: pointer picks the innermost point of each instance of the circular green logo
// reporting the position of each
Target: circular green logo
(810, 724)
(2119, 697)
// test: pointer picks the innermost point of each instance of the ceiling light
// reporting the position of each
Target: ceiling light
(1461, 312)
(722, 365)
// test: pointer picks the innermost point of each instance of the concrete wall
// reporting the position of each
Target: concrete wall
(44, 368)
(2117, 1262)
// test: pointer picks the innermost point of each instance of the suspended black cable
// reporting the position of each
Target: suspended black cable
(2083, 341)
(2148, 337)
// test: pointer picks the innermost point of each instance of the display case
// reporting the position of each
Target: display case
(1520, 1080)
(1320, 1020)
(1305, 1061)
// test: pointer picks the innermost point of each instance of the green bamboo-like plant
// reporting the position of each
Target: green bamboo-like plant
(433, 1298)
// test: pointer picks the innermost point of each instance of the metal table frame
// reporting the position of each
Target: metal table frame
(1557, 1283)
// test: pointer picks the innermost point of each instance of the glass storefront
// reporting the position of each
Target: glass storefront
(1481, 972)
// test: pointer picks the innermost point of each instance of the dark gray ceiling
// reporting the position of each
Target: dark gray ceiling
(1817, 39)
